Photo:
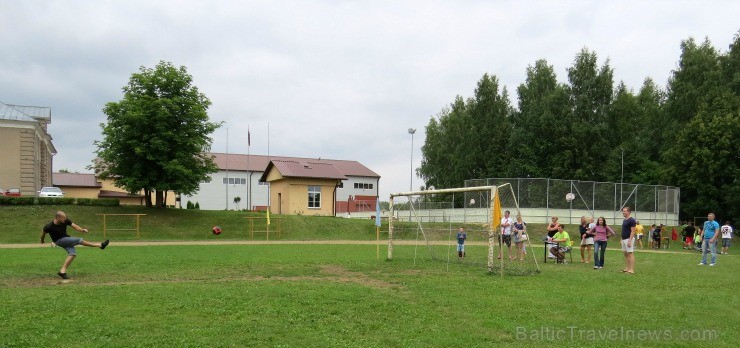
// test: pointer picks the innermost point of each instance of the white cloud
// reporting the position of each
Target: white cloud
(334, 79)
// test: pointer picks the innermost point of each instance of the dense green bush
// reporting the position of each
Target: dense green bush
(17, 200)
(55, 201)
(102, 202)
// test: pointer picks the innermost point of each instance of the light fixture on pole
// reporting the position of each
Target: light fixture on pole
(411, 183)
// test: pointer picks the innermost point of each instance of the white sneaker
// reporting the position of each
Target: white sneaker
(702, 264)
(711, 264)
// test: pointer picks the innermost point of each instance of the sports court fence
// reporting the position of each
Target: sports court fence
(541, 198)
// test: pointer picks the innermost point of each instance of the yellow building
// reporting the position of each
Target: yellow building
(306, 188)
(26, 149)
(77, 185)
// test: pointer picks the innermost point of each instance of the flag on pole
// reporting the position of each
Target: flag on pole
(249, 137)
(496, 210)
(268, 215)
(377, 212)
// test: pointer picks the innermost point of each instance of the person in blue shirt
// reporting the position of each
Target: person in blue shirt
(709, 241)
(461, 237)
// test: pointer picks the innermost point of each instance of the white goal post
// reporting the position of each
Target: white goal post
(431, 214)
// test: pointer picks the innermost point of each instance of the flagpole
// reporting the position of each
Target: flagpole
(269, 192)
(227, 168)
(249, 176)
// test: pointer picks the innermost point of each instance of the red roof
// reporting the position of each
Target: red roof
(74, 179)
(296, 169)
(258, 163)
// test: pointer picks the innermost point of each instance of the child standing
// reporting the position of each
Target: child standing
(461, 237)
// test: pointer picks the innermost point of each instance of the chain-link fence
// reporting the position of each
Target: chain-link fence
(540, 198)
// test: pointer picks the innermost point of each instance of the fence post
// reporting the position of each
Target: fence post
(547, 199)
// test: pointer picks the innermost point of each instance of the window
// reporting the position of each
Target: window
(263, 183)
(363, 186)
(341, 184)
(314, 197)
(235, 181)
(206, 180)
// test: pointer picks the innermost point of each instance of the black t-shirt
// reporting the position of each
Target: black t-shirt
(689, 231)
(584, 229)
(57, 231)
(627, 225)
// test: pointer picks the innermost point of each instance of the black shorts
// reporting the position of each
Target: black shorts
(506, 239)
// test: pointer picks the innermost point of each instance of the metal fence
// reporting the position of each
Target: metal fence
(540, 198)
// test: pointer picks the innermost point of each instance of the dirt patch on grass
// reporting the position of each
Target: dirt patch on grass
(327, 273)
(343, 275)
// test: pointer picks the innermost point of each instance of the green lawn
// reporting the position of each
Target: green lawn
(341, 295)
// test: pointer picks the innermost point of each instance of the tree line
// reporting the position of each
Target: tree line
(683, 135)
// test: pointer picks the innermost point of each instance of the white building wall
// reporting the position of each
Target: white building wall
(213, 195)
(349, 187)
(216, 195)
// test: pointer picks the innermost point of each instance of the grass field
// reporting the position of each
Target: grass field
(336, 295)
(341, 295)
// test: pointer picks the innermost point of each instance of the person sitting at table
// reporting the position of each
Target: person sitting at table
(563, 239)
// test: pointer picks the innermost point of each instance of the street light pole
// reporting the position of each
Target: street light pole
(411, 182)
(621, 181)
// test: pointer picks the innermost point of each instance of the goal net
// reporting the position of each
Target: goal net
(426, 226)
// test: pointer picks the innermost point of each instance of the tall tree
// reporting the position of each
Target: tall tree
(543, 109)
(704, 160)
(446, 160)
(157, 135)
(469, 139)
(704, 156)
(490, 129)
(697, 77)
(590, 88)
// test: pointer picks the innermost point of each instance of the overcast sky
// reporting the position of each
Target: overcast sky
(334, 79)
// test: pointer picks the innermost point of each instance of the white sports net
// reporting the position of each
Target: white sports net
(425, 226)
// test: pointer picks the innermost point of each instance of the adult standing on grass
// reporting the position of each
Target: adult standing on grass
(506, 223)
(601, 234)
(709, 242)
(640, 230)
(552, 229)
(57, 229)
(726, 236)
(587, 240)
(520, 235)
(628, 240)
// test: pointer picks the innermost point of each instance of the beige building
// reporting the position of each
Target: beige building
(26, 149)
(77, 185)
(305, 188)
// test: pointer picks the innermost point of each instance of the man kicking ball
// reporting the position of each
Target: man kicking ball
(57, 229)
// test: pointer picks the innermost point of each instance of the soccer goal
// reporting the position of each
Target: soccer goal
(424, 225)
